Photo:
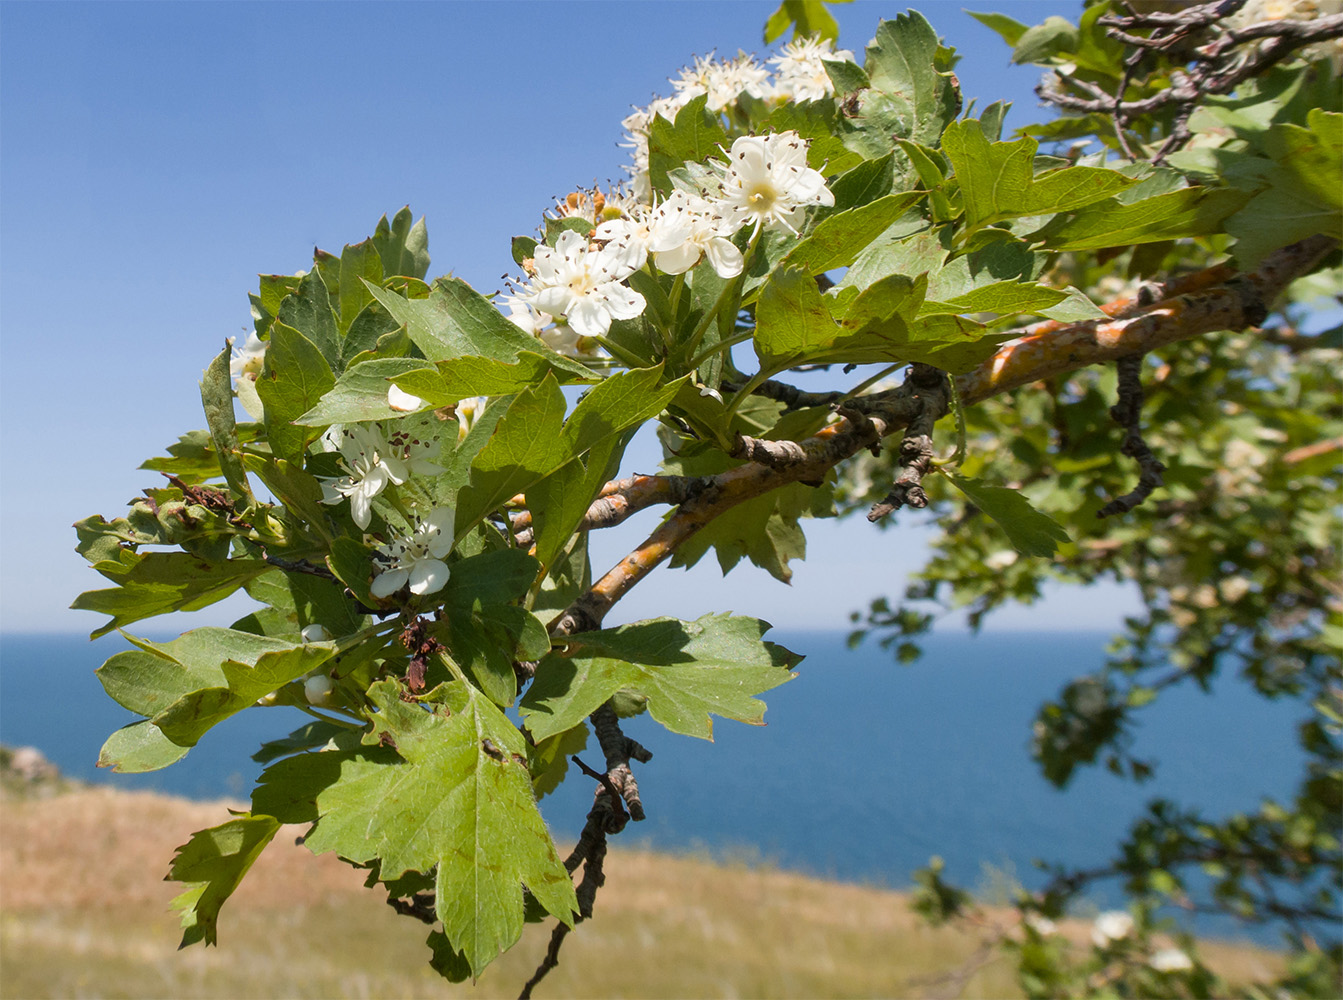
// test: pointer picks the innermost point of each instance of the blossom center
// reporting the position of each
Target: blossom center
(761, 197)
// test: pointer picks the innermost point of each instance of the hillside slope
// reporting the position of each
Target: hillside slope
(84, 912)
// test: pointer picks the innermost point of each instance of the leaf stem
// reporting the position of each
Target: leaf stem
(958, 409)
(722, 345)
(868, 382)
(731, 292)
(625, 357)
(333, 720)
(674, 300)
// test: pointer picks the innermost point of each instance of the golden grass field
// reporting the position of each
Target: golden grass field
(84, 913)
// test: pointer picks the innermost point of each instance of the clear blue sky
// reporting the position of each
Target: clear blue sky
(154, 158)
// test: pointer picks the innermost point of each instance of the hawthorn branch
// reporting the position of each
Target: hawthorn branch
(619, 500)
(1228, 58)
(590, 852)
(1128, 412)
(916, 448)
(1190, 307)
(1215, 301)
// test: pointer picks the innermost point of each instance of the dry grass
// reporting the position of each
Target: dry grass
(84, 913)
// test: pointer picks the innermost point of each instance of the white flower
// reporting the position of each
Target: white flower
(631, 233)
(524, 317)
(1113, 925)
(768, 182)
(248, 359)
(1001, 559)
(683, 229)
(315, 633)
(800, 72)
(723, 82)
(417, 558)
(563, 339)
(559, 338)
(399, 399)
(584, 285)
(1171, 960)
(373, 460)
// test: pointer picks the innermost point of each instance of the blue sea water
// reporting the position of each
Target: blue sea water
(863, 770)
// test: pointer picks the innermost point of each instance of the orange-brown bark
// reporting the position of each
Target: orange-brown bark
(1211, 300)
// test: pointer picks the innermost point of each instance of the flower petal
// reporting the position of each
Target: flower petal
(428, 576)
(387, 583)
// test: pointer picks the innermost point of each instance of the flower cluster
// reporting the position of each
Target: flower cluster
(800, 75)
(577, 288)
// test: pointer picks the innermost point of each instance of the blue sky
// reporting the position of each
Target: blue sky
(154, 158)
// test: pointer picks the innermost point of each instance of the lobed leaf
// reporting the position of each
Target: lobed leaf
(162, 582)
(454, 798)
(686, 671)
(213, 862)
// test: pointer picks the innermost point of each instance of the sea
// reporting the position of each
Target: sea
(864, 770)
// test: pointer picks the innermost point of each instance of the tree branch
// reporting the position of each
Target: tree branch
(1128, 412)
(1230, 302)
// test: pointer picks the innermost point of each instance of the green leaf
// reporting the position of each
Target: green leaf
(997, 179)
(1008, 29)
(838, 239)
(484, 632)
(533, 439)
(1031, 532)
(524, 248)
(865, 183)
(375, 334)
(213, 862)
(299, 491)
(686, 670)
(845, 76)
(1302, 197)
(900, 64)
(192, 458)
(358, 263)
(1175, 215)
(310, 311)
(560, 501)
(217, 398)
(808, 17)
(764, 529)
(460, 378)
(527, 444)
(162, 582)
(353, 565)
(292, 381)
(138, 748)
(404, 248)
(273, 290)
(456, 321)
(186, 720)
(454, 798)
(793, 321)
(361, 393)
(1003, 297)
(694, 137)
(795, 325)
(548, 759)
(815, 121)
(1045, 41)
(153, 677)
